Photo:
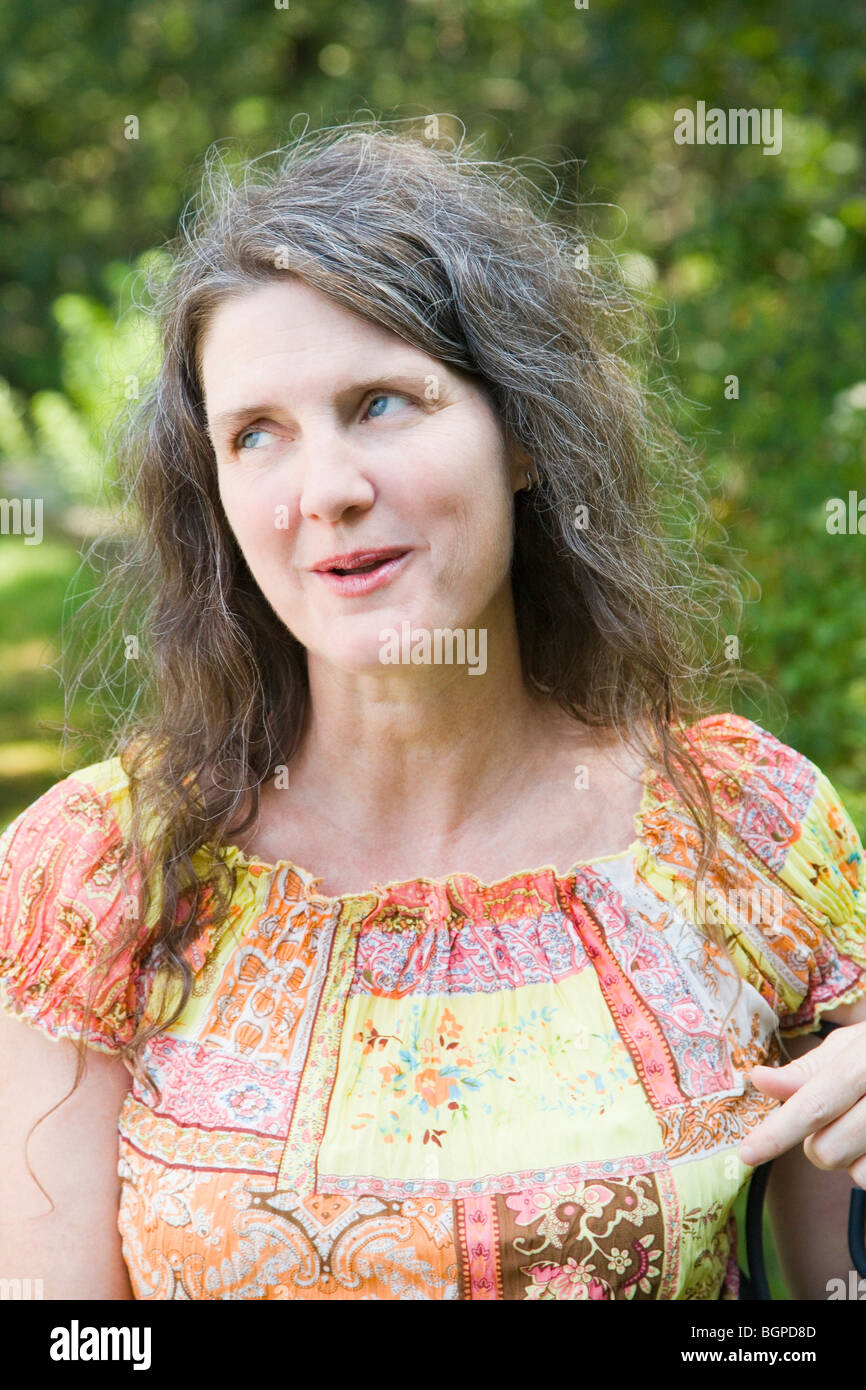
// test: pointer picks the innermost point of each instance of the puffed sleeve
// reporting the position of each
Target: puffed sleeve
(792, 821)
(62, 898)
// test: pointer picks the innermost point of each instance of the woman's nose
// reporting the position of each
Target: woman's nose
(331, 477)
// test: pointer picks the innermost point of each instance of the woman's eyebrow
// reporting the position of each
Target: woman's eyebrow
(226, 421)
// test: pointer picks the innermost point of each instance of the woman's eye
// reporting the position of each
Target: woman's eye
(384, 396)
(376, 410)
(249, 434)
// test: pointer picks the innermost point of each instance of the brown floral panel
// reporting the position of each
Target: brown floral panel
(591, 1240)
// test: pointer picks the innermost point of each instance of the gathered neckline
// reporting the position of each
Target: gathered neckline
(416, 891)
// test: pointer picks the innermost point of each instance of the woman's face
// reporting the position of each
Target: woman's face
(334, 437)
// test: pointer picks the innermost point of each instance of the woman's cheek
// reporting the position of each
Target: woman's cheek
(254, 517)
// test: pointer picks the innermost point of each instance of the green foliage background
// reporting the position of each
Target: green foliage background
(756, 263)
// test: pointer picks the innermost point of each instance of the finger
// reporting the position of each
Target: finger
(789, 1075)
(840, 1060)
(778, 1081)
(857, 1172)
(826, 1094)
(842, 1143)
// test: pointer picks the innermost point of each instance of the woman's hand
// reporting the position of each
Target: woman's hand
(825, 1102)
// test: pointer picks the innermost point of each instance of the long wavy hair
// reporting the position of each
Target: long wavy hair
(620, 621)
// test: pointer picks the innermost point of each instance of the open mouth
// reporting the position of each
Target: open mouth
(362, 573)
(368, 568)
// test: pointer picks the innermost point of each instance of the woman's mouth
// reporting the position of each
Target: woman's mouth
(354, 580)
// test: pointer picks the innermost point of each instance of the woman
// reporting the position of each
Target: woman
(438, 920)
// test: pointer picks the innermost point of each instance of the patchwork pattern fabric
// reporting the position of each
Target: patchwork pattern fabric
(532, 1089)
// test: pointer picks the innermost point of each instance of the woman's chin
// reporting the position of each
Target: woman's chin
(368, 654)
(389, 642)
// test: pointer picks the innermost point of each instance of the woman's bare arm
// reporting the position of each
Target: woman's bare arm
(809, 1210)
(75, 1248)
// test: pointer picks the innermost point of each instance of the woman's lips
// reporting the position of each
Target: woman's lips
(365, 581)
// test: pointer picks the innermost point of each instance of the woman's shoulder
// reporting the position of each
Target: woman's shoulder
(790, 829)
(64, 898)
(763, 786)
(82, 816)
(780, 800)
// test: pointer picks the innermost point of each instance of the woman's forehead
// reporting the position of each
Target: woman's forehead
(295, 317)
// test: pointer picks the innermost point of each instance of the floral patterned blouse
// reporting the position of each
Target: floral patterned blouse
(453, 1089)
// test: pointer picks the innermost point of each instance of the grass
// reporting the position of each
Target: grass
(34, 581)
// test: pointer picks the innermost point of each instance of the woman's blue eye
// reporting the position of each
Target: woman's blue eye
(244, 437)
(385, 396)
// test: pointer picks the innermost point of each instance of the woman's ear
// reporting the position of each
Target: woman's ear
(520, 464)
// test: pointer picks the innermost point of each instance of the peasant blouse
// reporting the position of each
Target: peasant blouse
(451, 1089)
